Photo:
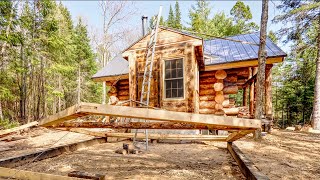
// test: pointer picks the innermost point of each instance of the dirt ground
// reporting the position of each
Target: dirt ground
(174, 161)
(280, 155)
(285, 154)
(37, 139)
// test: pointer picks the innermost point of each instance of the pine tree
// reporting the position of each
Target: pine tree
(299, 16)
(171, 19)
(177, 23)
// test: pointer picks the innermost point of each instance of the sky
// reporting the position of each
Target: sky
(92, 14)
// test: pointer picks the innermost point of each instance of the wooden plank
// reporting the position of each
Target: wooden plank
(157, 115)
(132, 125)
(29, 175)
(248, 63)
(247, 168)
(47, 153)
(16, 129)
(237, 135)
(153, 136)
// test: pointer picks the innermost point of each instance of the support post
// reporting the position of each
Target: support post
(252, 72)
(245, 97)
(268, 100)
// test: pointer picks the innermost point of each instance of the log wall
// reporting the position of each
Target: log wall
(119, 89)
(170, 45)
(215, 88)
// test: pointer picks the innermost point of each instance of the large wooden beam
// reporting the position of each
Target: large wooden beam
(151, 114)
(136, 125)
(237, 135)
(247, 168)
(29, 175)
(16, 129)
(154, 136)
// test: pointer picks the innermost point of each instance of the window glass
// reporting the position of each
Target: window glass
(174, 78)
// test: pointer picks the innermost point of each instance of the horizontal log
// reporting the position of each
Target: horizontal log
(123, 82)
(84, 109)
(207, 111)
(123, 93)
(231, 111)
(207, 74)
(239, 71)
(207, 98)
(207, 92)
(125, 87)
(207, 104)
(121, 98)
(230, 90)
(206, 86)
(231, 78)
(207, 80)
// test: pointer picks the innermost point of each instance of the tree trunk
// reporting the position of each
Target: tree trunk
(261, 65)
(1, 114)
(60, 90)
(316, 102)
(79, 85)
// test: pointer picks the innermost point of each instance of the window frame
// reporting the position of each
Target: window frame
(164, 79)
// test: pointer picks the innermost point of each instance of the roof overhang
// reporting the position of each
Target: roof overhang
(239, 64)
(111, 78)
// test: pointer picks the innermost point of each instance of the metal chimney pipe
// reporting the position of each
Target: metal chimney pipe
(144, 24)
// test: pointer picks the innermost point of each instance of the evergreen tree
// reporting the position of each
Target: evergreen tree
(171, 19)
(177, 23)
(199, 17)
(302, 21)
(242, 18)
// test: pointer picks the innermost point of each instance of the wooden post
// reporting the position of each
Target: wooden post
(268, 92)
(245, 97)
(132, 79)
(252, 72)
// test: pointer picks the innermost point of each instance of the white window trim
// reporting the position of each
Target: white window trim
(163, 79)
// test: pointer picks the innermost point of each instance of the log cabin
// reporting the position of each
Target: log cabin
(215, 76)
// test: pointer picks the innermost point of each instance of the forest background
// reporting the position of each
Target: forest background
(47, 57)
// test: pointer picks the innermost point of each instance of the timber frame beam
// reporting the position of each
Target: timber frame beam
(217, 122)
(248, 169)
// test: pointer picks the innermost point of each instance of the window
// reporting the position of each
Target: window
(173, 80)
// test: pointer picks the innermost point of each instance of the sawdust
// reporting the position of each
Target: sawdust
(39, 138)
(174, 161)
(285, 154)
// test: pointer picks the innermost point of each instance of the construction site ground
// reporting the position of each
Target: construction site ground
(280, 155)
